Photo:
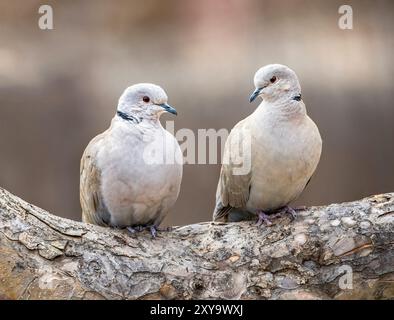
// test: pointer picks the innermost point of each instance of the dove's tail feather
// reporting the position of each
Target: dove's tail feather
(220, 213)
(231, 214)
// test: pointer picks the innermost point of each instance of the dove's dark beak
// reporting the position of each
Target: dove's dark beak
(255, 94)
(168, 108)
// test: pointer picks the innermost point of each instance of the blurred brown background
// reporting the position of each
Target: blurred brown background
(59, 88)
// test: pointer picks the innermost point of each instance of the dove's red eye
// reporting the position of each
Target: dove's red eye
(146, 99)
(273, 79)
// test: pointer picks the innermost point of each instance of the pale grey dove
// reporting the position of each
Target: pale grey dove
(284, 150)
(131, 173)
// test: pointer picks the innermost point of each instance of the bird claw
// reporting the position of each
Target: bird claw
(292, 212)
(289, 210)
(140, 228)
(131, 230)
(153, 231)
(263, 217)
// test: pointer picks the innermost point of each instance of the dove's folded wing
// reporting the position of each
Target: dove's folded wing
(93, 207)
(235, 175)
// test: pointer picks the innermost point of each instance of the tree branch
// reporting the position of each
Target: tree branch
(47, 257)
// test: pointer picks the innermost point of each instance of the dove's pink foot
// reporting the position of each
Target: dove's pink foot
(292, 212)
(289, 210)
(153, 231)
(135, 229)
(263, 217)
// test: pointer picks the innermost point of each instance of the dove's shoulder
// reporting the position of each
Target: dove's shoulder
(171, 138)
(242, 125)
(92, 149)
(238, 134)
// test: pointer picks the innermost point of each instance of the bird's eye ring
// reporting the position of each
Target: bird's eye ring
(146, 99)
(273, 79)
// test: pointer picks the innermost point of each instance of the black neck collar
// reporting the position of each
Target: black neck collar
(297, 97)
(128, 117)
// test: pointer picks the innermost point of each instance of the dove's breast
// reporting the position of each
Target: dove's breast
(141, 176)
(284, 156)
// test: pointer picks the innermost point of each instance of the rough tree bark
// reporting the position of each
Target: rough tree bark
(46, 257)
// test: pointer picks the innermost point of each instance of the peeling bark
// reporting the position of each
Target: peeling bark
(47, 257)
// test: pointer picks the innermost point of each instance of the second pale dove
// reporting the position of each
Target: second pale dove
(281, 148)
(131, 173)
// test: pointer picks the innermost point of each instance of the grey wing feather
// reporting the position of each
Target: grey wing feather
(235, 175)
(93, 207)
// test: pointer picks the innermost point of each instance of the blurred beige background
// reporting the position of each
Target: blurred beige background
(59, 88)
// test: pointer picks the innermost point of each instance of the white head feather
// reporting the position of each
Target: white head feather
(144, 100)
(276, 82)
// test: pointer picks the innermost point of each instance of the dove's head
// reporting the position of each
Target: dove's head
(276, 82)
(144, 100)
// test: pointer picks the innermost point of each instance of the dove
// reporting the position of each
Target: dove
(130, 175)
(284, 150)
